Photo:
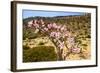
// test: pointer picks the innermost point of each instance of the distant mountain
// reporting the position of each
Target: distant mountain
(70, 18)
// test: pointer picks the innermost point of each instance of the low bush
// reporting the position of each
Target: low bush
(41, 43)
(40, 53)
(25, 47)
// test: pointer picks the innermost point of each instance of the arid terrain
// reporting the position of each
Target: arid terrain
(78, 26)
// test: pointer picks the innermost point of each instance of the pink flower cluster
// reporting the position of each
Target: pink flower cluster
(56, 35)
(75, 50)
(71, 40)
(61, 44)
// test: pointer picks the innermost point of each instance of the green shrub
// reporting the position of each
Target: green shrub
(32, 36)
(29, 33)
(41, 43)
(88, 36)
(40, 53)
(84, 44)
(25, 47)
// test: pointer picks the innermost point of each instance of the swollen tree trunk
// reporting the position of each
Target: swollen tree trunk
(62, 53)
(59, 54)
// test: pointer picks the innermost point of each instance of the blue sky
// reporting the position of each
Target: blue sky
(32, 13)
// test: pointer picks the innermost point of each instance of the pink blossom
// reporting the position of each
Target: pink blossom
(75, 50)
(63, 28)
(61, 45)
(54, 25)
(71, 40)
(59, 26)
(29, 25)
(52, 34)
(55, 40)
(35, 21)
(41, 21)
(58, 35)
(49, 26)
(43, 25)
(65, 34)
(45, 29)
(36, 25)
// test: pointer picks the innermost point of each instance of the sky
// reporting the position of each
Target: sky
(33, 13)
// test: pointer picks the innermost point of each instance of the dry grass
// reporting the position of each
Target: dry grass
(86, 51)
